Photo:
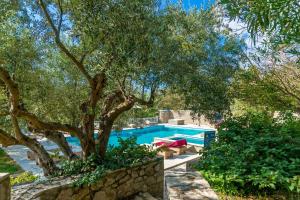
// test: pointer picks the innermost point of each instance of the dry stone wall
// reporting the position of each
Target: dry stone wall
(119, 184)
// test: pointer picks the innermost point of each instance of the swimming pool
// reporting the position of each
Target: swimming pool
(147, 134)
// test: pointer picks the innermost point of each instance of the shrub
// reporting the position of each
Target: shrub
(254, 153)
(25, 177)
(128, 153)
(8, 165)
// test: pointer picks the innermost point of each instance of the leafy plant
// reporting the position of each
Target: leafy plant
(254, 153)
(128, 153)
(25, 177)
(8, 165)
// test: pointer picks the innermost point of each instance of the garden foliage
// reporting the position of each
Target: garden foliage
(128, 153)
(23, 178)
(255, 153)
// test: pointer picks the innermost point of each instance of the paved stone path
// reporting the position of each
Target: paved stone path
(181, 185)
(19, 154)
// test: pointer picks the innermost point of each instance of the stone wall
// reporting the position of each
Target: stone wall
(118, 184)
(185, 115)
(4, 186)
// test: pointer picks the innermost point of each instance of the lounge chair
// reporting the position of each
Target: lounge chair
(178, 146)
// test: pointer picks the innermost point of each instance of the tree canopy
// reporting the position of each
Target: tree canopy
(272, 90)
(66, 64)
(277, 18)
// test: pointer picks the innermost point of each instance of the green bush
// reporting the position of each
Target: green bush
(8, 165)
(254, 153)
(25, 177)
(127, 154)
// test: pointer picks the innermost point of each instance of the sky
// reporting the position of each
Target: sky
(187, 4)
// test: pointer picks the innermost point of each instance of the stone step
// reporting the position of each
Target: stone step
(188, 185)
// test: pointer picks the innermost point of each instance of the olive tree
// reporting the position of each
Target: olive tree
(65, 64)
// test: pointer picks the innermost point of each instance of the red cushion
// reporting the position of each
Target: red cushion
(178, 143)
(160, 143)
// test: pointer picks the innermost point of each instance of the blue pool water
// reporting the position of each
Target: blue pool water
(147, 134)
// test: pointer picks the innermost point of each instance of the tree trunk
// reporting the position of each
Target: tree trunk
(104, 133)
(7, 140)
(61, 141)
(88, 142)
(107, 121)
(45, 160)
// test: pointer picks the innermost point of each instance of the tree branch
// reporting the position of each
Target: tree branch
(45, 161)
(99, 82)
(34, 121)
(7, 140)
(119, 109)
(61, 46)
(12, 87)
(110, 100)
(60, 16)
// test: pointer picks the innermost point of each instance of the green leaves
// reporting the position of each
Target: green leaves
(294, 184)
(272, 90)
(23, 178)
(254, 154)
(205, 62)
(127, 154)
(278, 19)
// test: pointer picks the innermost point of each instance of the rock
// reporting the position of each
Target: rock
(123, 180)
(111, 195)
(65, 195)
(149, 171)
(97, 186)
(139, 179)
(81, 194)
(138, 198)
(105, 195)
(144, 196)
(160, 179)
(157, 168)
(121, 175)
(109, 181)
(151, 180)
(148, 196)
(142, 172)
(101, 195)
(134, 174)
